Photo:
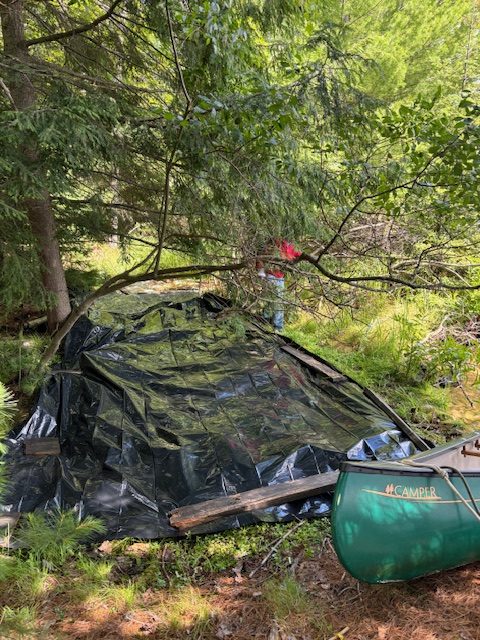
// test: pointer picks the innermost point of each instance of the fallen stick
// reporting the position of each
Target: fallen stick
(314, 363)
(36, 322)
(8, 522)
(275, 547)
(340, 634)
(189, 516)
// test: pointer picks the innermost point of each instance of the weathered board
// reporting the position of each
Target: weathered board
(313, 363)
(42, 447)
(192, 515)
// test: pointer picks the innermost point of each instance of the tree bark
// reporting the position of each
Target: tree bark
(39, 210)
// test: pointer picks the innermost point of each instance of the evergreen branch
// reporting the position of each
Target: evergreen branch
(409, 184)
(143, 26)
(34, 66)
(54, 37)
(175, 55)
(122, 280)
(162, 221)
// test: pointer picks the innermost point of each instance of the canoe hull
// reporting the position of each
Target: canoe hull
(393, 525)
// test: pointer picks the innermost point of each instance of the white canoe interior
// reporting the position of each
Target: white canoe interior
(463, 455)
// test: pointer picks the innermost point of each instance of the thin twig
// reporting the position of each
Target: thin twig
(175, 55)
(339, 635)
(462, 389)
(275, 547)
(6, 90)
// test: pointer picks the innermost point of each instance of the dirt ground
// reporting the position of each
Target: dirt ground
(441, 607)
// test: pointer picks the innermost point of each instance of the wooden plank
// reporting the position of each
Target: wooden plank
(190, 516)
(400, 422)
(8, 522)
(313, 363)
(42, 447)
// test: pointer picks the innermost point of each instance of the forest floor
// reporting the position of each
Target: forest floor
(299, 596)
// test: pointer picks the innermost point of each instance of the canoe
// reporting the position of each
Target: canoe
(394, 521)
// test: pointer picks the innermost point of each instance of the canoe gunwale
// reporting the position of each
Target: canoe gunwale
(353, 467)
(427, 457)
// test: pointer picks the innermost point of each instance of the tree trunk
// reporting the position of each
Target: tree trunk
(39, 210)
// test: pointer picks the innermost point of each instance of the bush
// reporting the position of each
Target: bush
(82, 281)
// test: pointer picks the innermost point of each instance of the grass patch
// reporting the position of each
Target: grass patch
(293, 608)
(382, 346)
(286, 597)
(93, 575)
(189, 611)
(19, 354)
(95, 572)
(105, 261)
(118, 597)
(185, 561)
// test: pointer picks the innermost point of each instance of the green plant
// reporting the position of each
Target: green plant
(190, 611)
(93, 571)
(185, 561)
(119, 597)
(446, 359)
(8, 406)
(386, 345)
(52, 538)
(286, 596)
(18, 623)
(81, 280)
(19, 354)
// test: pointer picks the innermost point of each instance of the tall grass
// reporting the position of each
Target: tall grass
(18, 355)
(105, 261)
(381, 346)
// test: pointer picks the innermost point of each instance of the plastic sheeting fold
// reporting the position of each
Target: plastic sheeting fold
(162, 402)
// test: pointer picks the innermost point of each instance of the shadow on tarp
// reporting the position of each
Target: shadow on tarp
(167, 401)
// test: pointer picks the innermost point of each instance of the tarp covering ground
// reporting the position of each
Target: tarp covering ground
(161, 402)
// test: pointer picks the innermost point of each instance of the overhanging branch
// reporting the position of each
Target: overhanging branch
(54, 37)
(387, 279)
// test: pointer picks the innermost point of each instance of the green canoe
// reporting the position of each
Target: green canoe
(393, 521)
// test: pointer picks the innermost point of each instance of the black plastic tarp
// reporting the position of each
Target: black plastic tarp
(161, 402)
